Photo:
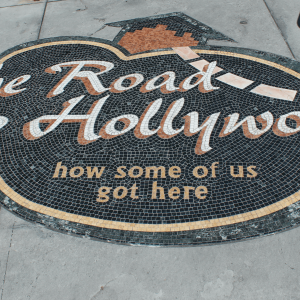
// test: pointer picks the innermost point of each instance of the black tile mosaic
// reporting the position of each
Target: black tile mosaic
(121, 142)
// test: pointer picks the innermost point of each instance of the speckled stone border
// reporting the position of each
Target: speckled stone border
(280, 221)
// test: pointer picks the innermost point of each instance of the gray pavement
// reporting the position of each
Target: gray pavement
(285, 14)
(40, 264)
(37, 263)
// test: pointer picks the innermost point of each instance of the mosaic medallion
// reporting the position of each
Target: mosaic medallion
(154, 138)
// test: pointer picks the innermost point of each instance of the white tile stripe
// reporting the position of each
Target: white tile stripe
(234, 80)
(186, 53)
(274, 92)
(199, 64)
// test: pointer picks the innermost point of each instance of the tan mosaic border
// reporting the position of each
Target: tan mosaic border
(124, 57)
(147, 227)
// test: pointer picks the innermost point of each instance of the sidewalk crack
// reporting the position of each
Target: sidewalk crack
(98, 30)
(82, 9)
(12, 232)
(103, 286)
(46, 3)
(279, 28)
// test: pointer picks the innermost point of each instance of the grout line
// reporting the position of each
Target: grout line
(42, 19)
(279, 29)
(20, 5)
(29, 3)
(12, 232)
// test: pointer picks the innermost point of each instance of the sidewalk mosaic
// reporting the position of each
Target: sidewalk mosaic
(154, 138)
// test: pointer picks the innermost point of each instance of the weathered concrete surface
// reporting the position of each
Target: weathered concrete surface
(47, 265)
(39, 264)
(5, 3)
(285, 14)
(87, 17)
(19, 24)
(6, 232)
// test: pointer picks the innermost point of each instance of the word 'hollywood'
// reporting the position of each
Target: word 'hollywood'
(92, 83)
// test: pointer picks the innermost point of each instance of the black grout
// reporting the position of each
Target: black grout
(279, 29)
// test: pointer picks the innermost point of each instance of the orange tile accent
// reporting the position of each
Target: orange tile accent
(155, 38)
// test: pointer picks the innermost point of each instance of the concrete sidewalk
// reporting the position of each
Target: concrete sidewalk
(37, 263)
